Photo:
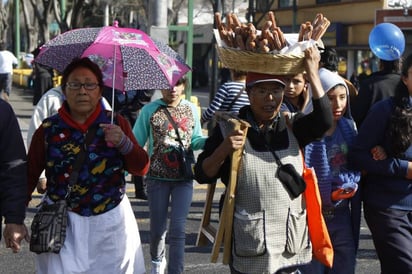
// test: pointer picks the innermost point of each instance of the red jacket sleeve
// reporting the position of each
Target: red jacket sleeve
(36, 160)
(137, 160)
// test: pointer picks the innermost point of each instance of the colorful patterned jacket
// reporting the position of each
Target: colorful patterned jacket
(101, 183)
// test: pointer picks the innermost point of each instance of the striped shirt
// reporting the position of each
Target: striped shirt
(224, 99)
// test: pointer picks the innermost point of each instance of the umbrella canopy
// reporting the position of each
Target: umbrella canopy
(128, 58)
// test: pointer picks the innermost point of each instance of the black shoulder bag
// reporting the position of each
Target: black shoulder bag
(186, 156)
(48, 228)
(289, 177)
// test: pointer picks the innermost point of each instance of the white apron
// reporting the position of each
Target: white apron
(106, 243)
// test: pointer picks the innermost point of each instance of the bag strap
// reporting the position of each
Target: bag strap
(169, 116)
(277, 159)
(81, 156)
(235, 99)
(278, 162)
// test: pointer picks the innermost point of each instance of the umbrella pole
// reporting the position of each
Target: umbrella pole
(113, 83)
(110, 144)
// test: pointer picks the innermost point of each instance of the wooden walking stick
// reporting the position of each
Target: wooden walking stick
(228, 122)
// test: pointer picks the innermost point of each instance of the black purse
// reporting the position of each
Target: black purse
(185, 156)
(290, 178)
(48, 228)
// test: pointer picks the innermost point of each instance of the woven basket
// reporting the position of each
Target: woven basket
(277, 64)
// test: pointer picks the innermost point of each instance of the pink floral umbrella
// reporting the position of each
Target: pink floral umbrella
(128, 58)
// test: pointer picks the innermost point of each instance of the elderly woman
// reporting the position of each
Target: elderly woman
(102, 233)
(265, 212)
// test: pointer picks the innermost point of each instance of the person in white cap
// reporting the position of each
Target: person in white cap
(337, 180)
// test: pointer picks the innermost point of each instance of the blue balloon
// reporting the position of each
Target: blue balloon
(387, 41)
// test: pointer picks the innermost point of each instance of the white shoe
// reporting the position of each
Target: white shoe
(159, 267)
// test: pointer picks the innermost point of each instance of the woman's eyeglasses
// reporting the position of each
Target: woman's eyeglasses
(77, 86)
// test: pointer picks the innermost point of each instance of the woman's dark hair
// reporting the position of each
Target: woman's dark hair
(390, 66)
(82, 63)
(401, 91)
(236, 74)
(329, 59)
(301, 97)
(400, 126)
(181, 81)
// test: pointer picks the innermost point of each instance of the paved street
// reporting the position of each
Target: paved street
(197, 258)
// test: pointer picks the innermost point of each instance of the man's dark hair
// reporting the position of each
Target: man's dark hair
(329, 59)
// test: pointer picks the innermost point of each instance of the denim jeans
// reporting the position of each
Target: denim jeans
(6, 82)
(344, 247)
(160, 195)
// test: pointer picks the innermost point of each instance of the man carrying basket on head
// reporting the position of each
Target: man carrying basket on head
(269, 222)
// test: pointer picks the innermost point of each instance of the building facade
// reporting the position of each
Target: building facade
(351, 23)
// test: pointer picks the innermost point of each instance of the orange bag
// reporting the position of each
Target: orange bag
(318, 232)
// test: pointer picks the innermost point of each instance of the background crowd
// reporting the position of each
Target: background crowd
(316, 119)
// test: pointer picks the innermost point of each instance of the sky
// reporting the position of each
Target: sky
(203, 11)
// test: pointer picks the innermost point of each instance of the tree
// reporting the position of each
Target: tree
(4, 14)
(39, 14)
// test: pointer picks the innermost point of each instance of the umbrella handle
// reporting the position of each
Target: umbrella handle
(109, 144)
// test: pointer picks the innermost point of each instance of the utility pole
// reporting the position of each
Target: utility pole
(63, 8)
(295, 14)
(160, 30)
(217, 7)
(158, 20)
(17, 29)
(189, 45)
(106, 18)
